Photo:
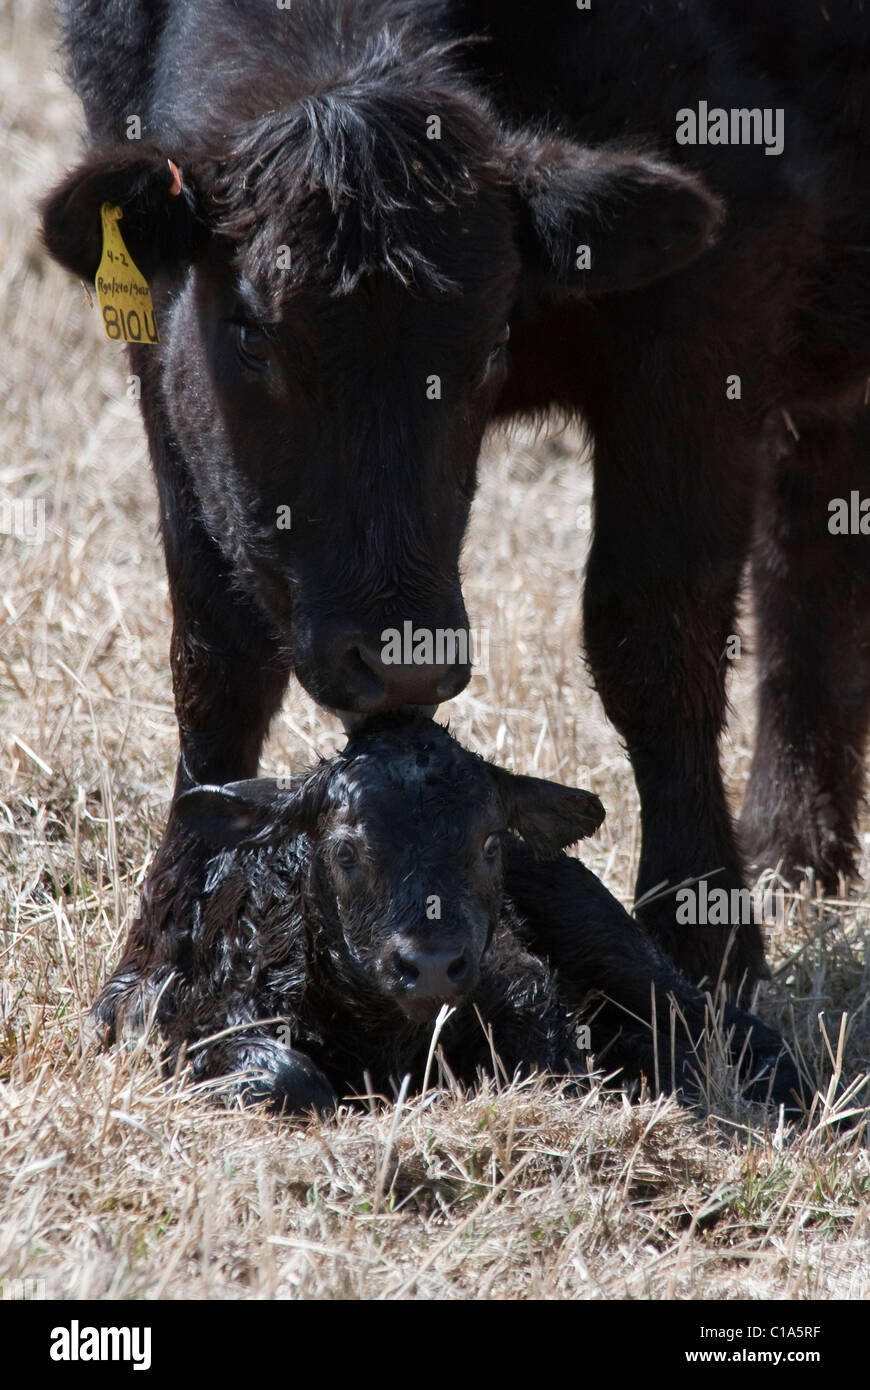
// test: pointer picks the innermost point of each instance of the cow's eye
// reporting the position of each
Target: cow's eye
(500, 343)
(345, 854)
(253, 347)
(491, 846)
(497, 353)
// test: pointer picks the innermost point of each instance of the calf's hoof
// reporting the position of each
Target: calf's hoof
(266, 1072)
(773, 1078)
(131, 1002)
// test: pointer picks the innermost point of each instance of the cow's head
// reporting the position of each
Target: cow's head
(334, 290)
(405, 871)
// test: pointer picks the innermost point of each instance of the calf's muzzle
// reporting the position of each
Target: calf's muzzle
(425, 975)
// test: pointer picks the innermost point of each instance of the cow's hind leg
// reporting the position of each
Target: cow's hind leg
(673, 519)
(812, 605)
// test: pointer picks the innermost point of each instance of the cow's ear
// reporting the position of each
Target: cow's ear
(157, 222)
(547, 815)
(591, 222)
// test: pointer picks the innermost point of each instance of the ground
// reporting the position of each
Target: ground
(113, 1184)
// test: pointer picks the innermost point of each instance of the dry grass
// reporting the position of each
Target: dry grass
(115, 1185)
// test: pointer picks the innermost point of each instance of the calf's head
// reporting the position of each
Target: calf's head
(406, 833)
(334, 289)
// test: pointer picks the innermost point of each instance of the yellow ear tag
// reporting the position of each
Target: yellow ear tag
(122, 291)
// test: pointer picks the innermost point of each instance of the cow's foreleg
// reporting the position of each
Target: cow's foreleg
(673, 506)
(229, 674)
(812, 602)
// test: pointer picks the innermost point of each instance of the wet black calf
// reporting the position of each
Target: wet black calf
(340, 913)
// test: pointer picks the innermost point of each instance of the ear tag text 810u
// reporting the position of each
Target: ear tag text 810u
(122, 291)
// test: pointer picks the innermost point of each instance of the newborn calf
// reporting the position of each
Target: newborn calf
(341, 912)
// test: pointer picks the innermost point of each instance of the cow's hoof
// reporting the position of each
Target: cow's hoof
(802, 851)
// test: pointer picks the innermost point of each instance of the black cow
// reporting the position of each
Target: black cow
(343, 908)
(372, 195)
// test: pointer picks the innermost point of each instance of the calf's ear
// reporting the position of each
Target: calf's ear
(157, 222)
(547, 815)
(255, 812)
(230, 815)
(597, 222)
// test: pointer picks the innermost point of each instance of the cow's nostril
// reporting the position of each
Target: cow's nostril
(455, 680)
(359, 666)
(408, 682)
(368, 658)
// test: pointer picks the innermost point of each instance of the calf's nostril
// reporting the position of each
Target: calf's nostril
(457, 970)
(407, 971)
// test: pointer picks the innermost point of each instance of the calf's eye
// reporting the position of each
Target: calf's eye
(491, 846)
(253, 347)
